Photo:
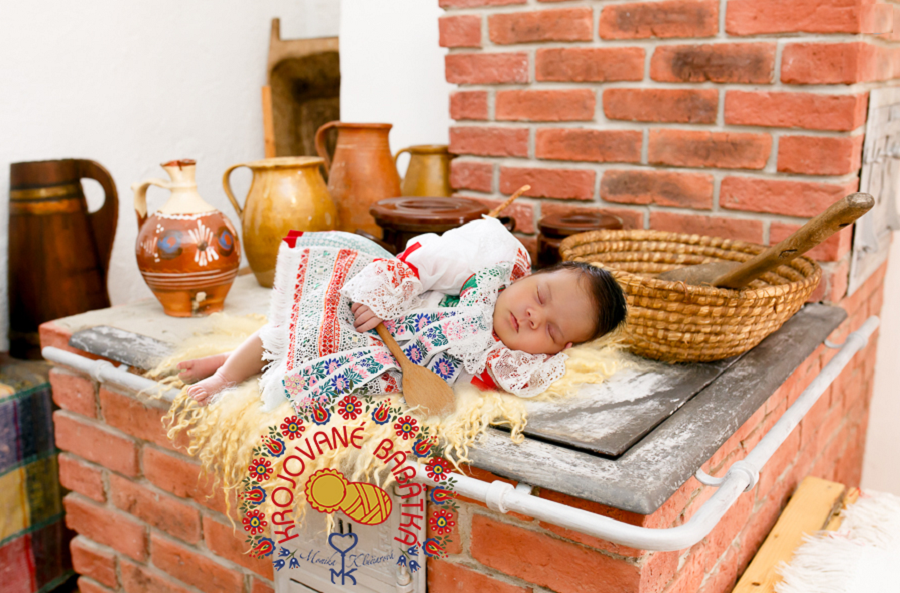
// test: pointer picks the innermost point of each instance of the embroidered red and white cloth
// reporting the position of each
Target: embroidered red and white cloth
(437, 299)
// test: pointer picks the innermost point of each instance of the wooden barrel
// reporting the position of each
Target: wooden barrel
(58, 251)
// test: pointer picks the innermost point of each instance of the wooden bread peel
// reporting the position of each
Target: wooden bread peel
(421, 387)
(737, 275)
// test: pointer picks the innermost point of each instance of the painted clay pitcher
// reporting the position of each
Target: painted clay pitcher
(428, 173)
(188, 252)
(58, 251)
(286, 193)
(361, 173)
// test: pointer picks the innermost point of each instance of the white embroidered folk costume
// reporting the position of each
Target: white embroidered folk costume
(437, 299)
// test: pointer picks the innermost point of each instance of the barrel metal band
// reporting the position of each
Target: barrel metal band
(44, 193)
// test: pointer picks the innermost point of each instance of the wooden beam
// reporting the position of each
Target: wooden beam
(268, 122)
(810, 509)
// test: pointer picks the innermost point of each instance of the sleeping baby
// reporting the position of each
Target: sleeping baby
(463, 304)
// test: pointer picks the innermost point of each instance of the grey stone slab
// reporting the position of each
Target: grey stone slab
(651, 471)
(146, 318)
(133, 349)
(610, 417)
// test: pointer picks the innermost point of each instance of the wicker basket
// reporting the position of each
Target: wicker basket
(677, 322)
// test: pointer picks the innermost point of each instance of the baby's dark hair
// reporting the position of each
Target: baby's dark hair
(609, 300)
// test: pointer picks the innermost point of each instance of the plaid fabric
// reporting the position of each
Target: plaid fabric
(34, 541)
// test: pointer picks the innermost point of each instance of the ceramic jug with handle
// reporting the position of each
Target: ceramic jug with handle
(361, 173)
(58, 251)
(428, 172)
(287, 193)
(187, 251)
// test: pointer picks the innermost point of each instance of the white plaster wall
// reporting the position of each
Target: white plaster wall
(881, 467)
(392, 70)
(134, 84)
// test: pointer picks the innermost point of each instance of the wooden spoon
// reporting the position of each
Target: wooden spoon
(421, 387)
(737, 275)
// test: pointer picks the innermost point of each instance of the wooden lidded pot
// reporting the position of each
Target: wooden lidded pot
(287, 193)
(187, 251)
(401, 219)
(428, 173)
(553, 228)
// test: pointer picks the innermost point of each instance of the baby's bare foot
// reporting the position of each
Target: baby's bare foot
(200, 368)
(205, 390)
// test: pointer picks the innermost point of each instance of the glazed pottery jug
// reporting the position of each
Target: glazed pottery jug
(58, 251)
(361, 173)
(286, 193)
(188, 252)
(428, 173)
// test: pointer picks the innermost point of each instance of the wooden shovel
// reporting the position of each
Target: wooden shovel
(737, 275)
(421, 387)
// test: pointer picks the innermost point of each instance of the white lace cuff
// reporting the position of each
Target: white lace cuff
(523, 374)
(387, 286)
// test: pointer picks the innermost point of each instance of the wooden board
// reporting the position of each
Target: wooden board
(811, 509)
(609, 418)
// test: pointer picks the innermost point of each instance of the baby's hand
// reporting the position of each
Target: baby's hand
(365, 318)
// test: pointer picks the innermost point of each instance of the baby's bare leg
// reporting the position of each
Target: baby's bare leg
(240, 365)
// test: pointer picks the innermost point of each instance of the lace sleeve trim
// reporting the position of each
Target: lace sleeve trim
(387, 286)
(523, 374)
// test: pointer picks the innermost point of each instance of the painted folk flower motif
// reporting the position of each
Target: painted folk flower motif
(406, 427)
(422, 447)
(260, 469)
(292, 427)
(381, 414)
(349, 407)
(441, 495)
(274, 446)
(255, 496)
(442, 522)
(438, 469)
(255, 522)
(320, 414)
(265, 547)
(205, 239)
(433, 548)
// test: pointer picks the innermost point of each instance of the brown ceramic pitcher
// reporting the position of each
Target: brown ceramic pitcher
(187, 251)
(361, 173)
(286, 193)
(58, 251)
(428, 173)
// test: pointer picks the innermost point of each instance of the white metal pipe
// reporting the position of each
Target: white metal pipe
(503, 497)
(104, 371)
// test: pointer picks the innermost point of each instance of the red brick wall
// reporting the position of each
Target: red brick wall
(145, 520)
(738, 118)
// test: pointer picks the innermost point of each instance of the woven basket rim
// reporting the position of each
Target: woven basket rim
(811, 273)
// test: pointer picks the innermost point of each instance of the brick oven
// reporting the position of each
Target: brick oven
(737, 118)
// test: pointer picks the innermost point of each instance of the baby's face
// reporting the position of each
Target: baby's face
(545, 313)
